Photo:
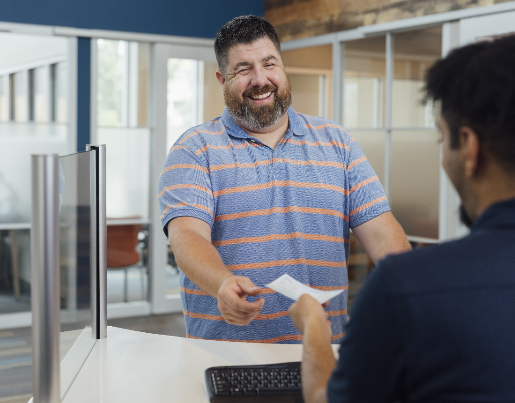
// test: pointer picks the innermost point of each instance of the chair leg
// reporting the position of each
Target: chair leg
(143, 293)
(125, 288)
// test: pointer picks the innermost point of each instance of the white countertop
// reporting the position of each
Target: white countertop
(130, 366)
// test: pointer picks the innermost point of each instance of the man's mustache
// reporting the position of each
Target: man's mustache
(255, 91)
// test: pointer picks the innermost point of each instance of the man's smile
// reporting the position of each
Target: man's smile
(262, 96)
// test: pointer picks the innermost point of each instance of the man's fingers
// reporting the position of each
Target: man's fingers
(248, 287)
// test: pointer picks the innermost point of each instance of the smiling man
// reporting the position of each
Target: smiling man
(262, 191)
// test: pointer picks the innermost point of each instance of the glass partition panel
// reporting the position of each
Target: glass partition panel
(4, 104)
(372, 142)
(75, 231)
(364, 83)
(128, 164)
(414, 53)
(310, 73)
(415, 178)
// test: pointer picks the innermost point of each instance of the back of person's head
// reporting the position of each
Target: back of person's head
(242, 30)
(476, 87)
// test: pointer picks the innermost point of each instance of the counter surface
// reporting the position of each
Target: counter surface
(130, 366)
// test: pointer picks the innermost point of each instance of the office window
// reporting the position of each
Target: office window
(310, 73)
(58, 92)
(364, 83)
(4, 104)
(110, 82)
(183, 100)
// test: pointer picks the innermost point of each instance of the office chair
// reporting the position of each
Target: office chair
(122, 241)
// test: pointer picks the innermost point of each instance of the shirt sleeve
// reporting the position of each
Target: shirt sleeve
(371, 355)
(366, 194)
(185, 188)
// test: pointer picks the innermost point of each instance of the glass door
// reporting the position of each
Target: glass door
(186, 94)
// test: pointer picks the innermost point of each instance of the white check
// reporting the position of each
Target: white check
(293, 289)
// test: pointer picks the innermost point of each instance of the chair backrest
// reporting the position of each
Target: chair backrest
(121, 245)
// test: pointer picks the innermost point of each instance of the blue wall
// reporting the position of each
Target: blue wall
(198, 18)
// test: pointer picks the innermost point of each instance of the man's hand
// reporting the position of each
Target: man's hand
(232, 301)
(307, 311)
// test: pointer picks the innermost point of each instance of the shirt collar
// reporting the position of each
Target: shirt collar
(500, 215)
(295, 127)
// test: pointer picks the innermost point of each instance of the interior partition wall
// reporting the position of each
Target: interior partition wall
(377, 95)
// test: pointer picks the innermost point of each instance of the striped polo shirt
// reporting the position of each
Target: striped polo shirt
(271, 212)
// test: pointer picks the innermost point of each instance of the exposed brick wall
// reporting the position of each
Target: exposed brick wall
(295, 19)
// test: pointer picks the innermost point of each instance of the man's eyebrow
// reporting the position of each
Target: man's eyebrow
(270, 57)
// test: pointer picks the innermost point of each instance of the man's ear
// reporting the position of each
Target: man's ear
(220, 77)
(470, 149)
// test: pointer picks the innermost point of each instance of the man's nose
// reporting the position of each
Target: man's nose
(259, 78)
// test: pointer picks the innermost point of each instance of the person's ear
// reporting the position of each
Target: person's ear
(470, 149)
(220, 77)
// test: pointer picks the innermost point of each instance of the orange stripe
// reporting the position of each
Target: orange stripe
(203, 316)
(337, 336)
(334, 126)
(203, 131)
(365, 182)
(239, 165)
(338, 313)
(279, 184)
(328, 288)
(191, 291)
(273, 237)
(168, 207)
(281, 210)
(268, 341)
(184, 166)
(356, 162)
(367, 205)
(288, 262)
(177, 148)
(319, 143)
(186, 186)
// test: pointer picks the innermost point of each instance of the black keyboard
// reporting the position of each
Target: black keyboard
(255, 383)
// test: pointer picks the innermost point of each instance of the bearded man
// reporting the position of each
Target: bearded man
(262, 191)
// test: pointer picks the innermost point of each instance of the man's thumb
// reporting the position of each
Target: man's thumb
(249, 287)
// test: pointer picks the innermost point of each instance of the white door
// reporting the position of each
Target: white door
(186, 94)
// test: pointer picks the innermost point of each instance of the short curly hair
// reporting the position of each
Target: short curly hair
(476, 87)
(242, 30)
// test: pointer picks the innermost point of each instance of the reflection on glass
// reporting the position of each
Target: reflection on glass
(415, 181)
(20, 97)
(58, 92)
(310, 73)
(364, 83)
(128, 171)
(110, 74)
(372, 142)
(40, 100)
(182, 99)
(75, 222)
(4, 111)
(414, 53)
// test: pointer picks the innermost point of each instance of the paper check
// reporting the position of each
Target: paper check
(293, 289)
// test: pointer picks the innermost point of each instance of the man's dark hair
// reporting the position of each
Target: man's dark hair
(242, 30)
(476, 87)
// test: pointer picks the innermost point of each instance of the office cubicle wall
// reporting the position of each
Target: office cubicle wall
(69, 261)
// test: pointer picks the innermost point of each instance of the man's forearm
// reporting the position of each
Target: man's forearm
(382, 236)
(318, 363)
(199, 260)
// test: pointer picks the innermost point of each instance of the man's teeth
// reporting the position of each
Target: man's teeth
(263, 96)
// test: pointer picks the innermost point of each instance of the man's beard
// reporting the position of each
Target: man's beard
(464, 217)
(259, 116)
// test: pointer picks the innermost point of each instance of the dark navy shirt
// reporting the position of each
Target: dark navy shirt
(436, 324)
